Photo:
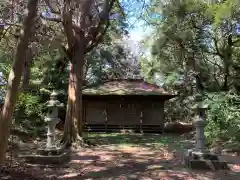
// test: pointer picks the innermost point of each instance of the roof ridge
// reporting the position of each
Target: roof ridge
(120, 79)
(125, 87)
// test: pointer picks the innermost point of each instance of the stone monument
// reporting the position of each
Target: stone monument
(52, 119)
(50, 154)
(200, 157)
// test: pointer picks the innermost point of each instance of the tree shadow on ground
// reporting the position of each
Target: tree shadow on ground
(133, 163)
(153, 141)
(128, 156)
(130, 170)
(120, 163)
(136, 156)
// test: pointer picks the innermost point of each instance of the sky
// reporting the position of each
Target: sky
(139, 30)
(135, 10)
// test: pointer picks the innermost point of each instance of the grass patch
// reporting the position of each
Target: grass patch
(143, 140)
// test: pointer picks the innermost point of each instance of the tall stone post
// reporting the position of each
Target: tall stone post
(200, 157)
(200, 123)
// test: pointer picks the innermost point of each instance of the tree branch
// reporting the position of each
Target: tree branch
(97, 40)
(51, 8)
(217, 48)
(67, 23)
(236, 41)
(95, 33)
(96, 36)
(75, 27)
(54, 19)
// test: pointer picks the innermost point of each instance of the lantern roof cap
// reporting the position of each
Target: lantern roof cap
(54, 94)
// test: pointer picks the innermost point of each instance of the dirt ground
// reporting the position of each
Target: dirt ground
(121, 157)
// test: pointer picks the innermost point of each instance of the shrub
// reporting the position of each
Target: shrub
(223, 117)
(29, 112)
(179, 109)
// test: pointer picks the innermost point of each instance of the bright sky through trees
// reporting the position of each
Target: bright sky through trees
(135, 11)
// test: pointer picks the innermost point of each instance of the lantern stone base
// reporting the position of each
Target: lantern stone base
(48, 156)
(204, 160)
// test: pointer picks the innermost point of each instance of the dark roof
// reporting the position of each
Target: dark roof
(126, 87)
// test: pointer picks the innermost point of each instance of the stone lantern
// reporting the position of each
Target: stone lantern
(51, 154)
(52, 119)
(200, 157)
(200, 122)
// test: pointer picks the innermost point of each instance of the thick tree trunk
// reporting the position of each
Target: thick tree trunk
(79, 43)
(73, 121)
(226, 77)
(27, 69)
(227, 65)
(15, 77)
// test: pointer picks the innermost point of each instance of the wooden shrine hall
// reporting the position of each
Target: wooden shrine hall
(131, 104)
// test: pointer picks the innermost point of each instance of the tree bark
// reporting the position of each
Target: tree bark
(76, 43)
(226, 75)
(79, 43)
(70, 128)
(227, 61)
(27, 69)
(73, 121)
(15, 77)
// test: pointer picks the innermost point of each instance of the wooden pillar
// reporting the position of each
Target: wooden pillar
(141, 120)
(84, 117)
(163, 117)
(106, 118)
(121, 127)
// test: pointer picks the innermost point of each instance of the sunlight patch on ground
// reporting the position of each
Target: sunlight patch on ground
(152, 167)
(137, 140)
(131, 156)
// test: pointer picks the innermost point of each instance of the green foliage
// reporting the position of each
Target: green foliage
(179, 109)
(30, 104)
(195, 37)
(29, 112)
(45, 73)
(224, 11)
(6, 55)
(223, 117)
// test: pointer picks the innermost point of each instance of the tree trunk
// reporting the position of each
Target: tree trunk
(15, 77)
(79, 44)
(227, 62)
(227, 65)
(27, 69)
(73, 121)
(226, 77)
